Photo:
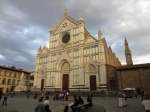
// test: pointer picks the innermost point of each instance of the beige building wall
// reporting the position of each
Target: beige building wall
(10, 78)
(74, 60)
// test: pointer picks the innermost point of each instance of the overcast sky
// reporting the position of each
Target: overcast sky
(25, 25)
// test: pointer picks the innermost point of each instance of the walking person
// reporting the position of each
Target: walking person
(120, 97)
(124, 99)
(5, 99)
(67, 94)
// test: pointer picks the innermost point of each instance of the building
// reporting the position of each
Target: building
(10, 78)
(75, 59)
(133, 76)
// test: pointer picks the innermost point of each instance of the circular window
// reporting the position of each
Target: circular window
(66, 38)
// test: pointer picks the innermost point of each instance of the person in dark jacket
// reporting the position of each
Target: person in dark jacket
(72, 105)
(80, 100)
(5, 99)
(40, 107)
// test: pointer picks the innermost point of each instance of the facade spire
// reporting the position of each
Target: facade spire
(100, 36)
(81, 16)
(128, 54)
(65, 12)
(52, 28)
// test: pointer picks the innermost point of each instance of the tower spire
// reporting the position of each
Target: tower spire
(100, 36)
(65, 12)
(128, 54)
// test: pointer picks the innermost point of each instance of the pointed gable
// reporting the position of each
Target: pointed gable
(45, 50)
(66, 22)
(89, 39)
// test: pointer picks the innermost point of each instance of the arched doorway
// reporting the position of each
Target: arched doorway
(65, 85)
(92, 76)
(65, 75)
(42, 84)
(93, 82)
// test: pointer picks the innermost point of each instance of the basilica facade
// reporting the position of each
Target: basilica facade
(75, 60)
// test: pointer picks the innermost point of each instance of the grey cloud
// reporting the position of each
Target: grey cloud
(25, 25)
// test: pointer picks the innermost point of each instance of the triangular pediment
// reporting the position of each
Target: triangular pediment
(44, 50)
(91, 66)
(65, 56)
(89, 39)
(66, 23)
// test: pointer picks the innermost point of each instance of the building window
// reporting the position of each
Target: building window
(15, 75)
(52, 78)
(9, 81)
(75, 75)
(10, 74)
(4, 81)
(27, 77)
(5, 73)
(19, 76)
(13, 82)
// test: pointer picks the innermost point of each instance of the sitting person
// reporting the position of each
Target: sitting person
(80, 100)
(40, 107)
(46, 102)
(72, 105)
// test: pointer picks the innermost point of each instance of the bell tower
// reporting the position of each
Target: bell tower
(128, 54)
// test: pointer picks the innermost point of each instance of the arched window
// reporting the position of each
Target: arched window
(4, 81)
(9, 81)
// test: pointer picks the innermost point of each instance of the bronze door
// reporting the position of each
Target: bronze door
(93, 82)
(65, 82)
(42, 84)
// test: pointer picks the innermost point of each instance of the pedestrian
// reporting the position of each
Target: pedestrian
(71, 105)
(5, 99)
(46, 102)
(40, 106)
(80, 100)
(0, 94)
(35, 95)
(146, 102)
(89, 99)
(67, 94)
(120, 97)
(12, 94)
(124, 99)
(142, 95)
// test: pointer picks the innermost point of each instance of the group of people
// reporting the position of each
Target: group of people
(43, 106)
(76, 101)
(61, 96)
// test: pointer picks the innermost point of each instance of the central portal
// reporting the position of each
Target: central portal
(65, 82)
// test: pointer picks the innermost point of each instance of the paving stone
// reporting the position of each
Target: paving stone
(23, 104)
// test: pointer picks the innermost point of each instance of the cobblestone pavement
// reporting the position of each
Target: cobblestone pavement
(23, 104)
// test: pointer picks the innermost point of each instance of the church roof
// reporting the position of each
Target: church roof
(145, 65)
